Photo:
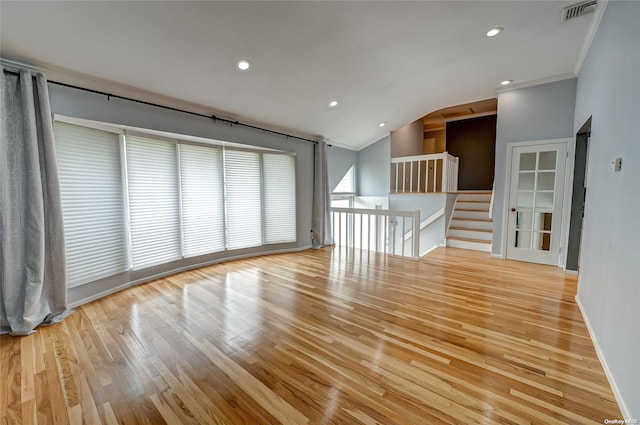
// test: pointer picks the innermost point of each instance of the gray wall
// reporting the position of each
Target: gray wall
(79, 104)
(407, 140)
(374, 168)
(609, 286)
(339, 161)
(533, 113)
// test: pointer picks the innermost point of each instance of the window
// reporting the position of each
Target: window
(347, 184)
(279, 198)
(243, 199)
(342, 195)
(152, 171)
(90, 174)
(202, 199)
(132, 202)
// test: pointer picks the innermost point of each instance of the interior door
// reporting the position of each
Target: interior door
(535, 203)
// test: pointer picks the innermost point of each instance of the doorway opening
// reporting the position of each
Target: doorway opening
(578, 199)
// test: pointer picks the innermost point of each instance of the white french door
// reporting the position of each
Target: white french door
(535, 202)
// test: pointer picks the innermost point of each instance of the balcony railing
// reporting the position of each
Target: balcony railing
(424, 173)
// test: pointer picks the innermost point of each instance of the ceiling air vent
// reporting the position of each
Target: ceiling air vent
(579, 9)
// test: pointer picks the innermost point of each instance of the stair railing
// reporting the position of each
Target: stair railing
(376, 230)
(423, 225)
(425, 173)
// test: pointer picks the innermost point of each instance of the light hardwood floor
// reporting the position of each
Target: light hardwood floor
(319, 337)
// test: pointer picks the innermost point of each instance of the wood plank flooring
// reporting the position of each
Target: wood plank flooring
(319, 337)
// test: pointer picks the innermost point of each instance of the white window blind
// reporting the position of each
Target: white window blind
(347, 184)
(243, 199)
(202, 199)
(154, 208)
(91, 188)
(279, 173)
(134, 202)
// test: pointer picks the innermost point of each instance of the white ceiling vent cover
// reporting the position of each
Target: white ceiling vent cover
(579, 9)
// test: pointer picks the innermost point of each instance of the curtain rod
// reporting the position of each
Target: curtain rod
(143, 102)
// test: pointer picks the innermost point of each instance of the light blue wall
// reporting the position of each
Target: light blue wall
(373, 165)
(374, 168)
(540, 112)
(339, 161)
(80, 104)
(609, 282)
(427, 204)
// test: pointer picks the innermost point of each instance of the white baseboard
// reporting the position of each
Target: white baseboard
(430, 249)
(178, 270)
(572, 272)
(497, 256)
(626, 412)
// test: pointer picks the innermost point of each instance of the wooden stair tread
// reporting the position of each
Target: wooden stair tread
(472, 229)
(475, 201)
(457, 238)
(486, 220)
(467, 209)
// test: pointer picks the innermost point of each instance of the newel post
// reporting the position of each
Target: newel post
(445, 172)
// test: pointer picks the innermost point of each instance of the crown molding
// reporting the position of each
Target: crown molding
(591, 33)
(371, 142)
(538, 82)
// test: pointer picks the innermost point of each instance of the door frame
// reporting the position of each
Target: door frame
(566, 202)
(583, 135)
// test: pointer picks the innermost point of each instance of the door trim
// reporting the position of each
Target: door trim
(585, 131)
(570, 142)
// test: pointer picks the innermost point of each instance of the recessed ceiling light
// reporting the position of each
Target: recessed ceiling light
(333, 104)
(243, 65)
(382, 124)
(494, 31)
(506, 82)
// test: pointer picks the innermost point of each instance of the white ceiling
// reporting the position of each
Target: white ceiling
(383, 61)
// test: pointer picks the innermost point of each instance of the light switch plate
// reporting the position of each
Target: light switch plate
(617, 164)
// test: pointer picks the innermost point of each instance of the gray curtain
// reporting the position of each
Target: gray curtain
(321, 215)
(32, 254)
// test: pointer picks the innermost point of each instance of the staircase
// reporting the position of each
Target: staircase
(470, 226)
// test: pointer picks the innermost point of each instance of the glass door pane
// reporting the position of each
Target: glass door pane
(535, 200)
(536, 193)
